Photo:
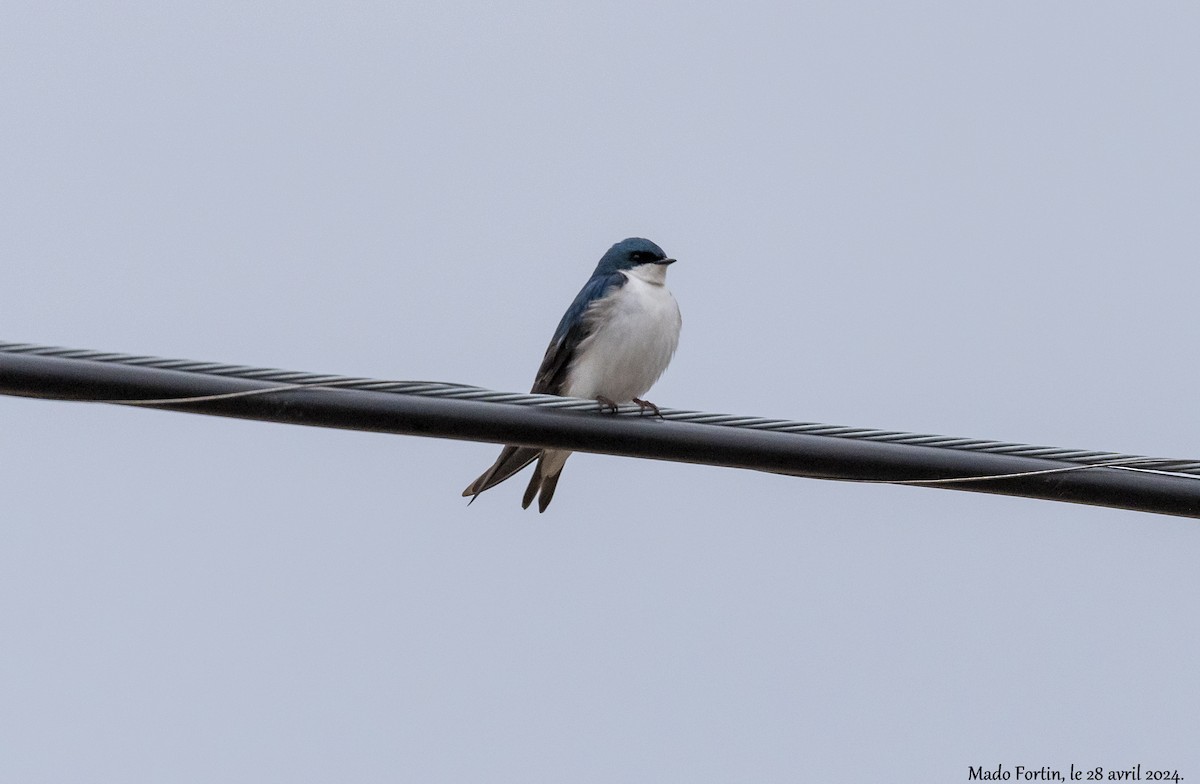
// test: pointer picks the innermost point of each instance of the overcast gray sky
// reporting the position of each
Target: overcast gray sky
(977, 219)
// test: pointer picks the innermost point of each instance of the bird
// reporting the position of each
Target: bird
(615, 340)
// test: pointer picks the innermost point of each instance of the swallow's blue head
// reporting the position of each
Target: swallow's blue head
(630, 253)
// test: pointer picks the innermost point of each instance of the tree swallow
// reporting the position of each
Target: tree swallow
(612, 344)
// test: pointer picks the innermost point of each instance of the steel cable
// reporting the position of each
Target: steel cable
(1025, 462)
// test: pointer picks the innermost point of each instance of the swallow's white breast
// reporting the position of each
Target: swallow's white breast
(636, 333)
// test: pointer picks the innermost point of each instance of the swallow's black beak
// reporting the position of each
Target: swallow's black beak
(665, 262)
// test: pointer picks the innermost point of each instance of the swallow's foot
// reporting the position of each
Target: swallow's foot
(607, 405)
(646, 405)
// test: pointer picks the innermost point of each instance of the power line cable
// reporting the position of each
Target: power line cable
(442, 410)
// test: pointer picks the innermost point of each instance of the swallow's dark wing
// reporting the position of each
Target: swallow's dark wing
(572, 330)
(551, 377)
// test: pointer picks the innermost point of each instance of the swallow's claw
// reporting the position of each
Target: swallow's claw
(646, 405)
(607, 405)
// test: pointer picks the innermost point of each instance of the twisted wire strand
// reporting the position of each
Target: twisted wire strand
(288, 380)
